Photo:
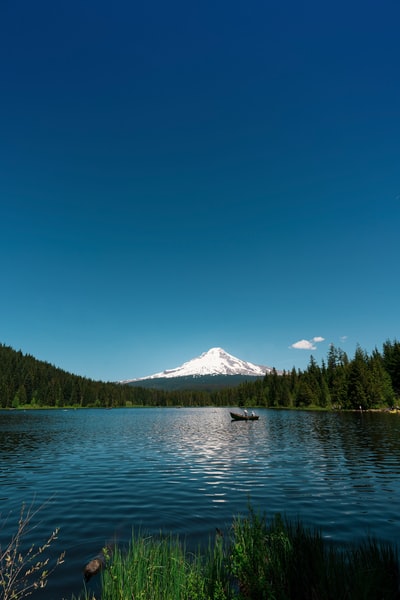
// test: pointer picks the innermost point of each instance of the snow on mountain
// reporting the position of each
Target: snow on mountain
(214, 362)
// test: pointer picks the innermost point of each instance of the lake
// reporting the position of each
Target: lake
(99, 473)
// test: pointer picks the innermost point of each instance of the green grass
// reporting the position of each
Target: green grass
(284, 560)
(160, 568)
(257, 560)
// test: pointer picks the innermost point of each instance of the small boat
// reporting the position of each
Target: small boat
(243, 417)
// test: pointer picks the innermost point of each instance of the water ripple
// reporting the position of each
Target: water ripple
(190, 470)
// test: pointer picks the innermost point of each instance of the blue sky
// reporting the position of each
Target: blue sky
(177, 176)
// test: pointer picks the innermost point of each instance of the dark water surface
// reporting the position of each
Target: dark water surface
(101, 473)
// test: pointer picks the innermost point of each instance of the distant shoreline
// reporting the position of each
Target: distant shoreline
(387, 409)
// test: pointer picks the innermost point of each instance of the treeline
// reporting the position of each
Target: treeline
(28, 382)
(366, 381)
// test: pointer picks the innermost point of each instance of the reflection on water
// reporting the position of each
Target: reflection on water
(103, 472)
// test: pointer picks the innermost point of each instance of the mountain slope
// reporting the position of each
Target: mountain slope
(212, 363)
(200, 383)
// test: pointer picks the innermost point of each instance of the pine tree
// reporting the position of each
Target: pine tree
(391, 363)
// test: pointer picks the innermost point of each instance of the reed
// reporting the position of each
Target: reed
(160, 568)
(282, 560)
(261, 559)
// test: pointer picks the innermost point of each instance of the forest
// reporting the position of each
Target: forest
(366, 381)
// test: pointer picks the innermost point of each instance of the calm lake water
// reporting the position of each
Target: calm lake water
(101, 473)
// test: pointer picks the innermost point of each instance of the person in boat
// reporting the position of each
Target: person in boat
(253, 414)
(245, 412)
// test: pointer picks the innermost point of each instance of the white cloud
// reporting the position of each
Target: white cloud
(307, 344)
(303, 345)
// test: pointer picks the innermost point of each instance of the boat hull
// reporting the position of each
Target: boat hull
(239, 417)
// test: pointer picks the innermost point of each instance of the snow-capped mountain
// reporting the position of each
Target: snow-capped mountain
(214, 362)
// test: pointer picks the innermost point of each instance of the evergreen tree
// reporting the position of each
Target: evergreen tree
(381, 390)
(369, 381)
(391, 363)
(359, 382)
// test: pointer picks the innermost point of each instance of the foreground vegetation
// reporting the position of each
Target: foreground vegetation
(25, 568)
(369, 381)
(260, 560)
(257, 559)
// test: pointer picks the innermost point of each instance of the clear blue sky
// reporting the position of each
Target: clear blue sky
(181, 175)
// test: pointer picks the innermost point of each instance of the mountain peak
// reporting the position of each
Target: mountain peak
(216, 361)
